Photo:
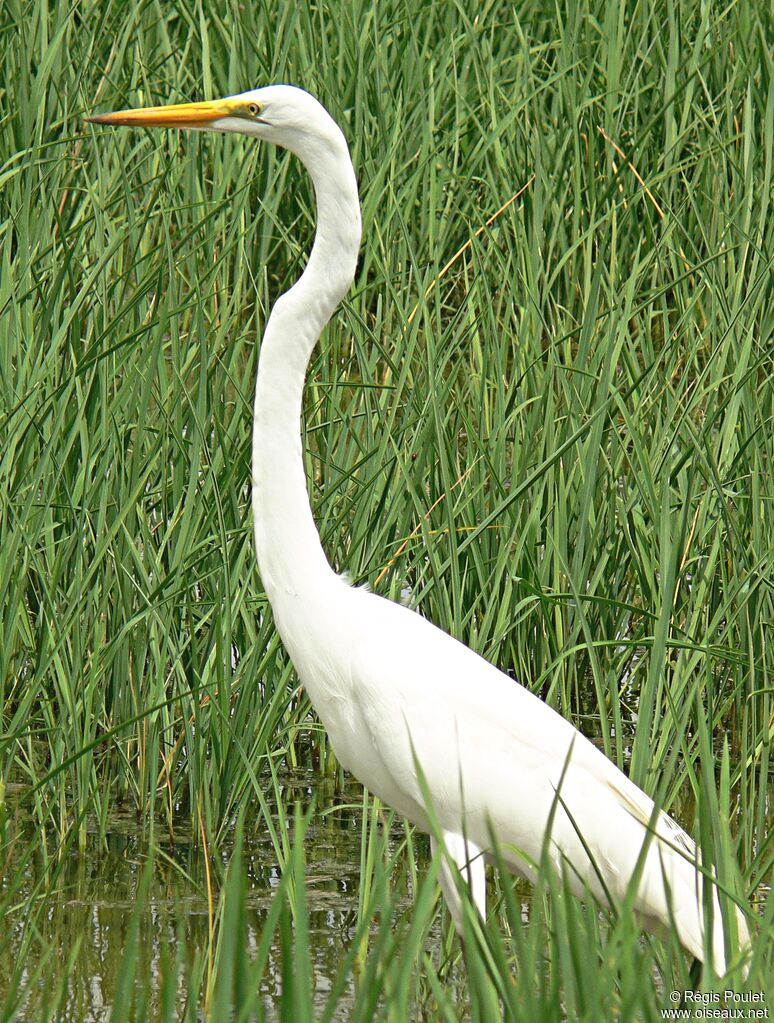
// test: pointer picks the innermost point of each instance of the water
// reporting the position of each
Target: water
(84, 928)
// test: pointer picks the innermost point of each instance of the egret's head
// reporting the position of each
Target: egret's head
(281, 114)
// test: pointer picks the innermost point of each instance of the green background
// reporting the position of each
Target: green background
(558, 440)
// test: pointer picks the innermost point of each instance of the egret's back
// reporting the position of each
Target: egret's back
(414, 713)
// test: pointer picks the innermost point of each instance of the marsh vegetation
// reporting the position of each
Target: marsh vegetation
(548, 420)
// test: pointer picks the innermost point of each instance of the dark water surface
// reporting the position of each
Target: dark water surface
(84, 928)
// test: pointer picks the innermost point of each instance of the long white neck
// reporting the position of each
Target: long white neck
(290, 557)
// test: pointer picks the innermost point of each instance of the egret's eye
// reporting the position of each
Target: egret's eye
(253, 109)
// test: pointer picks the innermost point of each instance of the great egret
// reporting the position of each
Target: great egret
(409, 710)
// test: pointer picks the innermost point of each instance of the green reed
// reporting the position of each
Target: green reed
(558, 440)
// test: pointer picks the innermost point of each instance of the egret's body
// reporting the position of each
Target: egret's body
(409, 710)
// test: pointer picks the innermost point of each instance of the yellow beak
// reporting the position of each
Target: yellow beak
(176, 115)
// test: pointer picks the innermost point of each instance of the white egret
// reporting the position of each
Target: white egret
(393, 690)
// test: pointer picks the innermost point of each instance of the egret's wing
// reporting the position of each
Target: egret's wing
(431, 705)
(435, 708)
(635, 802)
(443, 722)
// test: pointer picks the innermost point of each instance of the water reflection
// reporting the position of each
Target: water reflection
(76, 929)
(84, 921)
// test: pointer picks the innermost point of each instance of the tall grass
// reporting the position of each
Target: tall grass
(559, 439)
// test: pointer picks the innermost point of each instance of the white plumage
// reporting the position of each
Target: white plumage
(392, 690)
